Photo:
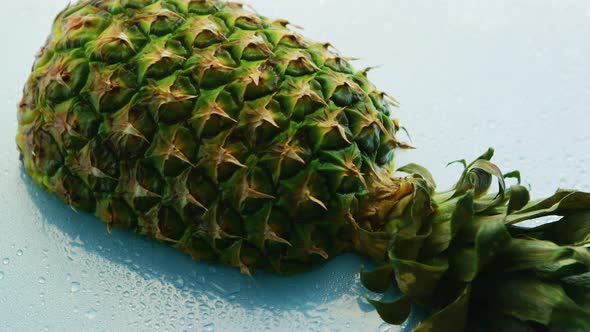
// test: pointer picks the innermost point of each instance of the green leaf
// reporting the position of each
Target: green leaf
(418, 280)
(522, 254)
(534, 300)
(465, 263)
(394, 312)
(407, 245)
(519, 197)
(447, 221)
(580, 295)
(451, 318)
(416, 169)
(379, 280)
(482, 183)
(486, 155)
(571, 229)
(562, 268)
(561, 203)
(513, 175)
(374, 244)
(460, 161)
(494, 321)
(411, 230)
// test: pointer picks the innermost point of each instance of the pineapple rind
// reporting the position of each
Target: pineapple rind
(207, 126)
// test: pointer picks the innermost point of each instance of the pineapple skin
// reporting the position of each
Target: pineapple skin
(213, 129)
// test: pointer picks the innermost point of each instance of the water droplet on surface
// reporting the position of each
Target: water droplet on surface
(41, 280)
(90, 313)
(5, 261)
(19, 252)
(384, 327)
(209, 327)
(75, 287)
(1, 275)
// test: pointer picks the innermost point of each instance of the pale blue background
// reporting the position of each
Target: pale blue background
(469, 74)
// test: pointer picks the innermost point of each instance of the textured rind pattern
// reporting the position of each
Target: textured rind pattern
(205, 125)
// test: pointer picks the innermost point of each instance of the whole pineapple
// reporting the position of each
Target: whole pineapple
(236, 140)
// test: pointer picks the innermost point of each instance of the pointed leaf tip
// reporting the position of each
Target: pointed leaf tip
(379, 280)
(395, 312)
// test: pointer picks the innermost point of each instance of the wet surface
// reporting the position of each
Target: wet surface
(514, 75)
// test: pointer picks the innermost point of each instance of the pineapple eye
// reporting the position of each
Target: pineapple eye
(206, 39)
(293, 41)
(202, 7)
(248, 23)
(300, 67)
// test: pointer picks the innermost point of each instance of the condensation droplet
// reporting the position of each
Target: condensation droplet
(41, 280)
(19, 252)
(385, 327)
(90, 313)
(5, 261)
(75, 287)
(1, 275)
(209, 327)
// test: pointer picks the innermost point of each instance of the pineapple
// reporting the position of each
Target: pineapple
(225, 134)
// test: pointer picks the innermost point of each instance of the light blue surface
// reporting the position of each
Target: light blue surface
(469, 74)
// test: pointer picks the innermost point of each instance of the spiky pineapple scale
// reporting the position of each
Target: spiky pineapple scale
(207, 126)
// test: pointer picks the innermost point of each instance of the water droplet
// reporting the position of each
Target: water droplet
(41, 280)
(5, 261)
(75, 287)
(1, 275)
(126, 294)
(384, 327)
(209, 327)
(90, 313)
(19, 252)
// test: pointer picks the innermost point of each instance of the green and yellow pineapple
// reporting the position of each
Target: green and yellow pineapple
(236, 140)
